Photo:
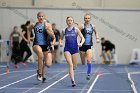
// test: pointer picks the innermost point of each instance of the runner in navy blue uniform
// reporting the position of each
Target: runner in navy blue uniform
(71, 46)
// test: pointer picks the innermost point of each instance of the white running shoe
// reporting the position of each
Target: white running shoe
(39, 76)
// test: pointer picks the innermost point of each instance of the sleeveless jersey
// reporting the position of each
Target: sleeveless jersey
(41, 36)
(15, 36)
(71, 38)
(87, 33)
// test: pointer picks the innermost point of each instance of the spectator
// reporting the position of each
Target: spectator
(108, 49)
(15, 46)
(57, 36)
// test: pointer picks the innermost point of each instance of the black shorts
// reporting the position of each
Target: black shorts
(46, 48)
(84, 48)
(56, 47)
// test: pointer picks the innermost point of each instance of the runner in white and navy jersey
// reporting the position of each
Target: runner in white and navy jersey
(42, 44)
(86, 53)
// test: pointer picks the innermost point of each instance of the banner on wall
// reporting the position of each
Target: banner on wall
(135, 57)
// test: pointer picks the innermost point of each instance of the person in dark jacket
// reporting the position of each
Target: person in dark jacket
(108, 48)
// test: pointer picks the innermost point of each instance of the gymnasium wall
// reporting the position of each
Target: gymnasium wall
(67, 3)
(120, 26)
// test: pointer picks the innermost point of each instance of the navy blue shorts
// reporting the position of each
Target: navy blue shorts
(71, 50)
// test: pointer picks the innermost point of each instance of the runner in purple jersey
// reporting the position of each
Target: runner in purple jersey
(71, 46)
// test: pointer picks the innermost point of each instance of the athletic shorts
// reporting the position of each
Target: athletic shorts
(45, 48)
(84, 48)
(56, 47)
(71, 50)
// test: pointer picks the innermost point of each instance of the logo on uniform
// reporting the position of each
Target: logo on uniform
(39, 30)
(88, 32)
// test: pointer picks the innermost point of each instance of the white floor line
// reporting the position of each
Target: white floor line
(135, 72)
(132, 84)
(131, 81)
(23, 71)
(85, 86)
(51, 88)
(109, 73)
(3, 66)
(93, 83)
(17, 72)
(22, 88)
(47, 80)
(16, 82)
(53, 84)
(78, 89)
(112, 90)
(10, 77)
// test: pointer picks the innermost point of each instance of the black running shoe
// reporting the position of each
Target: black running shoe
(88, 77)
(73, 84)
(43, 80)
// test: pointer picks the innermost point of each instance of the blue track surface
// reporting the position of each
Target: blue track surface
(104, 79)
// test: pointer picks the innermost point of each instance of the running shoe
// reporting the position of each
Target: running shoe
(16, 66)
(111, 62)
(88, 77)
(104, 62)
(23, 63)
(73, 84)
(39, 76)
(43, 79)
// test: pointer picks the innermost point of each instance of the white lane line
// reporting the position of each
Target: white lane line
(24, 71)
(53, 84)
(78, 89)
(17, 72)
(93, 83)
(16, 82)
(9, 77)
(93, 73)
(132, 83)
(46, 82)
